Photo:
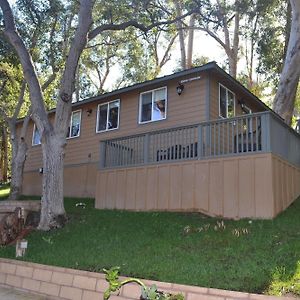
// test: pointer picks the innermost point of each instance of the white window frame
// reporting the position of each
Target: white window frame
(32, 140)
(234, 100)
(76, 136)
(107, 117)
(140, 105)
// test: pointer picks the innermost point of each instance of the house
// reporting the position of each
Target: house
(196, 140)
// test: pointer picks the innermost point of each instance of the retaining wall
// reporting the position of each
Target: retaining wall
(63, 283)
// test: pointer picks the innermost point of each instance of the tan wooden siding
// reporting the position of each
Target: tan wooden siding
(286, 183)
(79, 181)
(188, 108)
(252, 186)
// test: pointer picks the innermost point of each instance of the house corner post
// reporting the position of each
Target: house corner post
(266, 132)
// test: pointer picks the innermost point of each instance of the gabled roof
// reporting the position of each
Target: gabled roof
(211, 66)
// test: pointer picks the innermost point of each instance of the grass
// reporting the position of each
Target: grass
(4, 191)
(188, 248)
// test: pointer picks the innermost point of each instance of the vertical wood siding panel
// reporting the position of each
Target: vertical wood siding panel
(130, 189)
(246, 188)
(101, 190)
(276, 186)
(121, 189)
(188, 175)
(152, 188)
(202, 186)
(111, 190)
(91, 180)
(216, 188)
(163, 187)
(141, 189)
(264, 202)
(175, 187)
(231, 201)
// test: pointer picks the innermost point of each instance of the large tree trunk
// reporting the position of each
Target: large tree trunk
(53, 214)
(4, 155)
(284, 101)
(19, 150)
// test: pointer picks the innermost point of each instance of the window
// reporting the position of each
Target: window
(36, 137)
(108, 116)
(74, 128)
(226, 102)
(153, 105)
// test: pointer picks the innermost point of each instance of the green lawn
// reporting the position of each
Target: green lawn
(4, 191)
(187, 248)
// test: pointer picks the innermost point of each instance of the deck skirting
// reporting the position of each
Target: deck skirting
(246, 186)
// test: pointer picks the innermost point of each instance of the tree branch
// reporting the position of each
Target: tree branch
(39, 110)
(122, 26)
(20, 101)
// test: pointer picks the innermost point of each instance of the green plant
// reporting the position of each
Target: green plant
(147, 293)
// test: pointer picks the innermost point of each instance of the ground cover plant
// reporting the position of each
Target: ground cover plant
(260, 256)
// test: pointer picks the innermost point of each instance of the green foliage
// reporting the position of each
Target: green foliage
(147, 293)
(272, 39)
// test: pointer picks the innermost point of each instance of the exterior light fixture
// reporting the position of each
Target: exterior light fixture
(89, 112)
(41, 170)
(180, 89)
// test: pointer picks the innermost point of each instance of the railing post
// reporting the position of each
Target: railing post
(102, 158)
(200, 142)
(146, 148)
(266, 132)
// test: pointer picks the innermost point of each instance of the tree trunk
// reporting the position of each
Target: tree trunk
(190, 45)
(181, 35)
(285, 97)
(19, 150)
(53, 214)
(4, 154)
(232, 60)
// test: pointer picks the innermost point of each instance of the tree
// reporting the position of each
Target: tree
(219, 16)
(54, 134)
(33, 28)
(284, 101)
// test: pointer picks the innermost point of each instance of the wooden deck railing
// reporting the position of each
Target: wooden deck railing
(259, 132)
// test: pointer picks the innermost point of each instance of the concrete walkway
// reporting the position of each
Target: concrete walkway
(10, 294)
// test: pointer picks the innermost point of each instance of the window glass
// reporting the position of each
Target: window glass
(230, 104)
(153, 105)
(36, 139)
(108, 116)
(226, 102)
(159, 107)
(113, 117)
(75, 124)
(146, 109)
(102, 117)
(74, 128)
(223, 112)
